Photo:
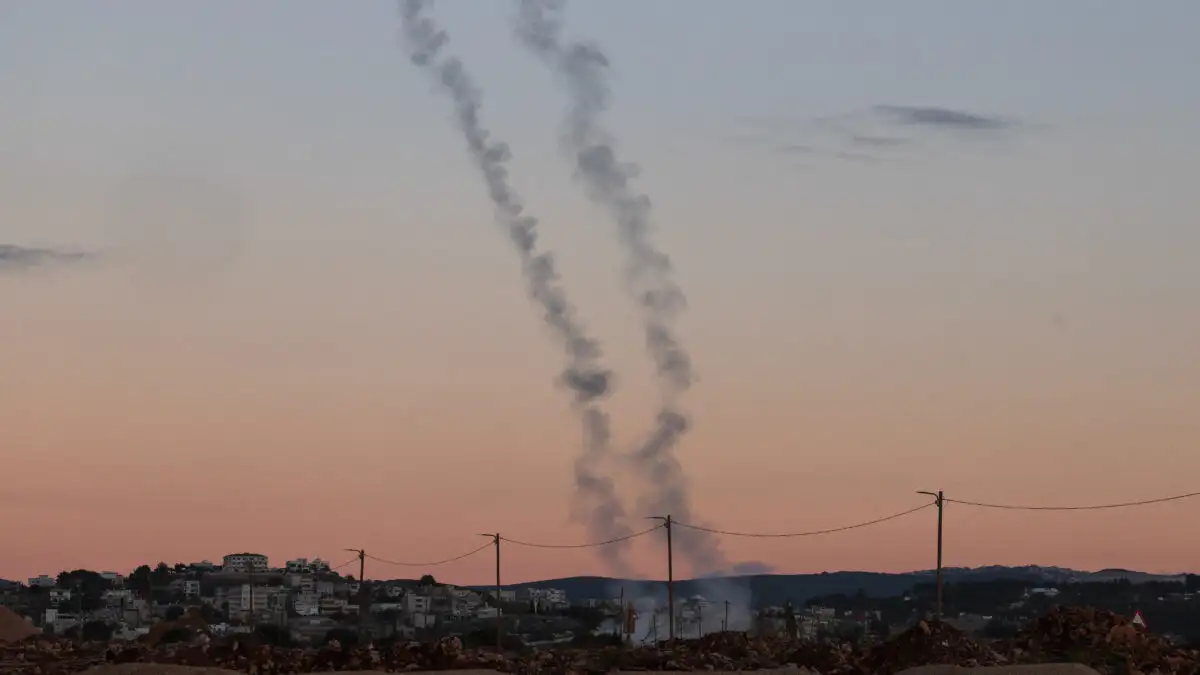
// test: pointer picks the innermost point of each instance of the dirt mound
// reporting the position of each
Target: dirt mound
(929, 643)
(189, 625)
(13, 628)
(1102, 640)
(1107, 641)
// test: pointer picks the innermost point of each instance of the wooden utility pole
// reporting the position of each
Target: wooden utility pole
(624, 618)
(725, 623)
(499, 613)
(253, 618)
(670, 577)
(362, 593)
(940, 502)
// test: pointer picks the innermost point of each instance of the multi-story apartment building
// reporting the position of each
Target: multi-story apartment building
(244, 598)
(245, 562)
(415, 603)
(306, 566)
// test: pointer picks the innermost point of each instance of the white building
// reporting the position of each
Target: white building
(191, 588)
(58, 595)
(43, 581)
(261, 598)
(114, 596)
(245, 562)
(417, 604)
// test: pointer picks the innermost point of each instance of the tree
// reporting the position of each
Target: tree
(273, 635)
(174, 612)
(345, 637)
(427, 580)
(208, 613)
(140, 580)
(89, 586)
(96, 631)
(161, 576)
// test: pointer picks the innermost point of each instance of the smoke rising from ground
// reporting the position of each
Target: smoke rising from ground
(597, 504)
(608, 181)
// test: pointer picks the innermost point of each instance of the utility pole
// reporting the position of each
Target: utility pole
(670, 577)
(253, 619)
(725, 624)
(940, 502)
(499, 614)
(624, 617)
(362, 592)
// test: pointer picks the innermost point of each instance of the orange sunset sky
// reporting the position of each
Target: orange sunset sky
(301, 330)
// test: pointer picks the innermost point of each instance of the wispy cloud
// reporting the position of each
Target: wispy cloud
(879, 132)
(14, 258)
(870, 141)
(941, 118)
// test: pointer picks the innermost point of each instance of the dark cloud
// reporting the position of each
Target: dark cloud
(942, 118)
(15, 258)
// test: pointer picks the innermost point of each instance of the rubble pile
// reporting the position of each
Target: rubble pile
(1106, 641)
(188, 626)
(930, 643)
(49, 656)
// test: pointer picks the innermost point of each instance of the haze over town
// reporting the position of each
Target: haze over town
(254, 297)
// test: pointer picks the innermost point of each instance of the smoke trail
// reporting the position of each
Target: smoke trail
(609, 182)
(597, 505)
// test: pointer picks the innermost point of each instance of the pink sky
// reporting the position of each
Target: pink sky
(310, 335)
(306, 451)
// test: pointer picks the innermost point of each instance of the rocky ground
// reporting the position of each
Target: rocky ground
(1102, 640)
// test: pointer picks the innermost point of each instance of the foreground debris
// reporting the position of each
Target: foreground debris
(1107, 642)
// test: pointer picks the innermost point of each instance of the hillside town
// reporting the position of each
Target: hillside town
(244, 591)
(306, 602)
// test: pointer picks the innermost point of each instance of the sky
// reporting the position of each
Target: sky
(254, 297)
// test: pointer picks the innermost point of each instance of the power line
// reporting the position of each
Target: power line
(334, 569)
(1093, 507)
(811, 533)
(435, 563)
(588, 545)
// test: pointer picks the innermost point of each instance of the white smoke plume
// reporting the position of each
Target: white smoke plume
(581, 68)
(597, 504)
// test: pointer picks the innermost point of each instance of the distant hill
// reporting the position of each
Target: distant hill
(777, 589)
